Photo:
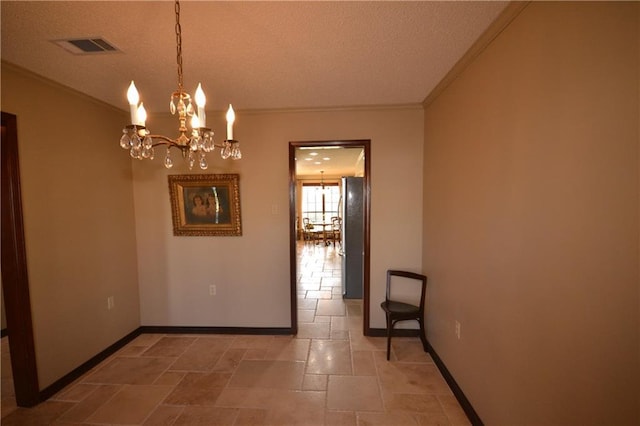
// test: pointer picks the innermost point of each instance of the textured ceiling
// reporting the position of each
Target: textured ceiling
(256, 55)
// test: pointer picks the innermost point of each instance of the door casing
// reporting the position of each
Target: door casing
(366, 145)
(15, 282)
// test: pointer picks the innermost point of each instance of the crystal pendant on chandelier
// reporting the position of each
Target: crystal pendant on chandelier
(203, 161)
(193, 144)
(235, 151)
(168, 163)
(226, 150)
(125, 140)
(207, 142)
(147, 142)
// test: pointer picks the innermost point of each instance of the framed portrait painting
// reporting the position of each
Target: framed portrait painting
(205, 205)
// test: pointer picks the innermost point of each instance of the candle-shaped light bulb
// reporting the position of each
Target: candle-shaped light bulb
(231, 117)
(201, 101)
(142, 115)
(195, 122)
(133, 98)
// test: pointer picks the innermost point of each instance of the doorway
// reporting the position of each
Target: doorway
(15, 284)
(363, 146)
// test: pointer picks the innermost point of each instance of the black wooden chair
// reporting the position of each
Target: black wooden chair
(402, 311)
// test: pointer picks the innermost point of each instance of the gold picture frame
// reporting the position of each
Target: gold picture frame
(205, 205)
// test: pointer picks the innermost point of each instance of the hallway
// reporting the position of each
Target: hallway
(329, 374)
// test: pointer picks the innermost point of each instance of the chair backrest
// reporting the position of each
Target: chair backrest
(306, 223)
(336, 223)
(411, 275)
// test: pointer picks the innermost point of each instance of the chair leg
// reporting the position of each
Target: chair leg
(389, 327)
(423, 336)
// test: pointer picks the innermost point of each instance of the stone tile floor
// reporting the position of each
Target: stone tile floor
(329, 374)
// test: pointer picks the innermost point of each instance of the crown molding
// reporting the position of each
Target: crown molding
(487, 37)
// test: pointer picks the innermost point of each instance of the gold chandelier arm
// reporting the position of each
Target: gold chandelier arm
(173, 143)
(163, 140)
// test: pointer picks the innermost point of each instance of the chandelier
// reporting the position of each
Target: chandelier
(194, 144)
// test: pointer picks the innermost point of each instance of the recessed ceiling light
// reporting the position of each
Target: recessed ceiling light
(326, 158)
(313, 153)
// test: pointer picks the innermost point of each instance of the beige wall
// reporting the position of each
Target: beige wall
(79, 221)
(251, 272)
(531, 219)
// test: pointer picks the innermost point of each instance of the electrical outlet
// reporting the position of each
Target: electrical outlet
(110, 303)
(458, 330)
(212, 290)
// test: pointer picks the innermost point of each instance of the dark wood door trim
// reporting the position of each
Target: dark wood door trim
(366, 144)
(15, 283)
(293, 270)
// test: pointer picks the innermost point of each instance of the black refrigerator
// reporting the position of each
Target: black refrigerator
(352, 237)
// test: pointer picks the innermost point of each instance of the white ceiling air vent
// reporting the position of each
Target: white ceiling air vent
(86, 46)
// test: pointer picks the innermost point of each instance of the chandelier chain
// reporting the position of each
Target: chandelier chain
(179, 45)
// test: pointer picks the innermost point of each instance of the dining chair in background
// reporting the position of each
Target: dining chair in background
(308, 234)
